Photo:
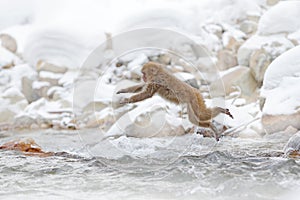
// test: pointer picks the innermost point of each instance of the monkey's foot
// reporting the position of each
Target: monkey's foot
(124, 101)
(227, 112)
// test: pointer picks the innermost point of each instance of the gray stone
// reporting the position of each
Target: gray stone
(8, 42)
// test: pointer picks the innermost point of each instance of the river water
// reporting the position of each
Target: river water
(185, 167)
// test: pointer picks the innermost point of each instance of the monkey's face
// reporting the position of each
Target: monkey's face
(149, 71)
(144, 77)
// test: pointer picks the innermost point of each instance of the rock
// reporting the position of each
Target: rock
(24, 121)
(41, 88)
(7, 114)
(232, 44)
(275, 22)
(272, 2)
(281, 92)
(259, 61)
(30, 94)
(46, 66)
(28, 147)
(238, 77)
(274, 45)
(248, 27)
(226, 59)
(149, 119)
(275, 123)
(8, 42)
(292, 148)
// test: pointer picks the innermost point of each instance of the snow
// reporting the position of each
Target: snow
(15, 74)
(281, 84)
(281, 18)
(7, 58)
(51, 75)
(40, 84)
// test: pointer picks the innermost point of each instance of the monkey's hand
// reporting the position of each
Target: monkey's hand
(227, 112)
(124, 101)
(121, 91)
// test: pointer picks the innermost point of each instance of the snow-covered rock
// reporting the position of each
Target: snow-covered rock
(274, 45)
(12, 102)
(45, 66)
(61, 47)
(281, 92)
(281, 18)
(8, 59)
(148, 119)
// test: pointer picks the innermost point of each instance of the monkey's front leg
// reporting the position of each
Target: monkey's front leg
(149, 91)
(133, 89)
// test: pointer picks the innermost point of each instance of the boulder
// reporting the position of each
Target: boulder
(226, 59)
(149, 119)
(238, 78)
(274, 45)
(292, 148)
(248, 27)
(46, 66)
(274, 21)
(30, 94)
(259, 61)
(280, 92)
(8, 42)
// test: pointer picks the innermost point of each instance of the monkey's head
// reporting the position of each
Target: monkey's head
(150, 70)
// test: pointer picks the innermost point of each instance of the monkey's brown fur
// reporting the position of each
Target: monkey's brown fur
(158, 80)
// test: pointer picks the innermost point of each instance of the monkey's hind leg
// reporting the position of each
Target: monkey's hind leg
(208, 124)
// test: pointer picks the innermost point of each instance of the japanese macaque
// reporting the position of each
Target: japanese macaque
(160, 81)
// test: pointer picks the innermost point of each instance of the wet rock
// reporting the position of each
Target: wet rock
(8, 42)
(28, 147)
(292, 148)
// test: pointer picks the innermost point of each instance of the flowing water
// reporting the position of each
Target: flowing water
(185, 167)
